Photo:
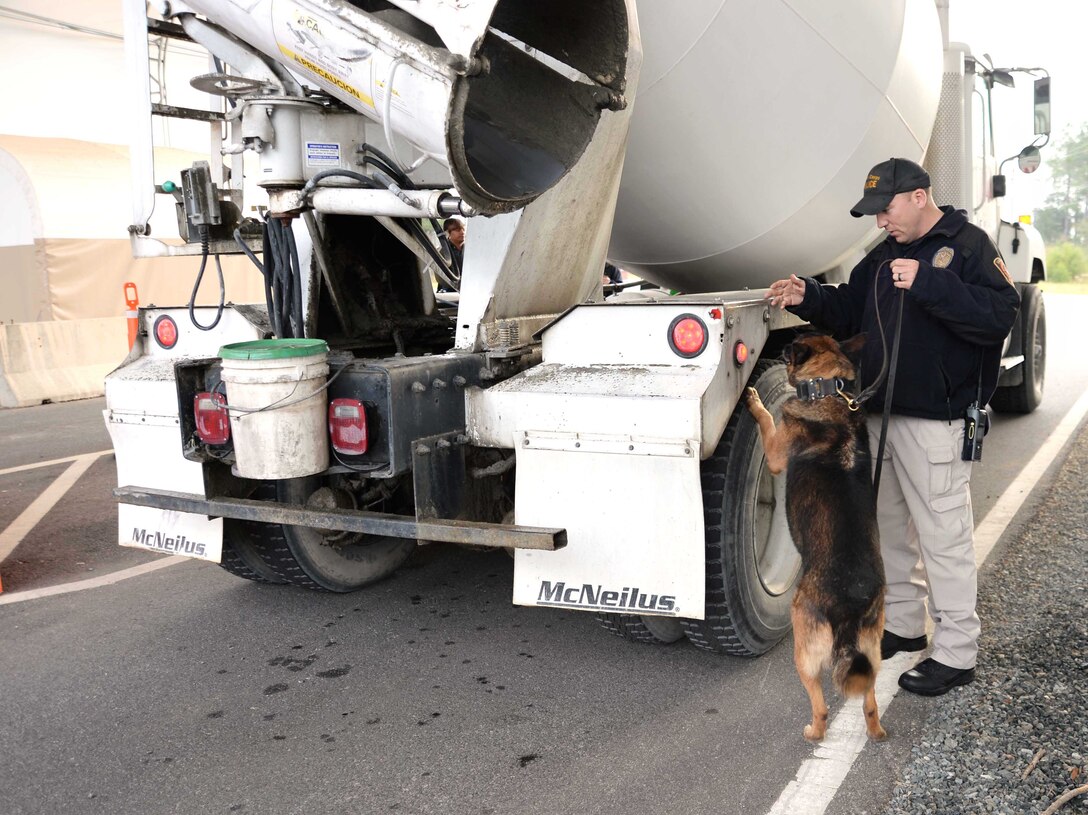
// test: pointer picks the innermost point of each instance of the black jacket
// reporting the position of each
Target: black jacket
(956, 316)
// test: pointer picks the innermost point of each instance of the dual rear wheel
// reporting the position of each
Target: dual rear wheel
(276, 553)
(752, 566)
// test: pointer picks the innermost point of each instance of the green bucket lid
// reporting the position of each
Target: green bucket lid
(274, 349)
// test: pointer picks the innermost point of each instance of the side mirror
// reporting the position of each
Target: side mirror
(1042, 107)
(1029, 159)
(999, 186)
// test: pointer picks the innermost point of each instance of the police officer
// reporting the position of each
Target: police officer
(959, 304)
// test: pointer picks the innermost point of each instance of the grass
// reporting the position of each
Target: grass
(1074, 287)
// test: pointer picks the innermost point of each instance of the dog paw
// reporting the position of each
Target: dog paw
(751, 398)
(880, 735)
(812, 734)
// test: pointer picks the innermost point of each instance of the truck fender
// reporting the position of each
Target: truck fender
(1024, 252)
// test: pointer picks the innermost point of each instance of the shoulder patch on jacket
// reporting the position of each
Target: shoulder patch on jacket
(1000, 264)
(943, 258)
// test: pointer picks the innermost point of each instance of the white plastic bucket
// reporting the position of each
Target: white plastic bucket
(277, 405)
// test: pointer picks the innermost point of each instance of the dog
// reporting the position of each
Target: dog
(823, 445)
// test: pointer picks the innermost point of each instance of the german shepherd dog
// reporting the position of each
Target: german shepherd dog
(823, 445)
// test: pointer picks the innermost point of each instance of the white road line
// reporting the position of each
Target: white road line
(93, 582)
(820, 776)
(21, 526)
(38, 464)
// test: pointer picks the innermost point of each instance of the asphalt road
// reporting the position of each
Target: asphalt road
(188, 690)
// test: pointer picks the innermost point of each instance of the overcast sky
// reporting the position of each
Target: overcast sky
(1028, 33)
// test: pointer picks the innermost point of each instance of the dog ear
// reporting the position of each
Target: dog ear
(852, 347)
(797, 352)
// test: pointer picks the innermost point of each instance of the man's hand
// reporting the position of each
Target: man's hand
(904, 271)
(784, 293)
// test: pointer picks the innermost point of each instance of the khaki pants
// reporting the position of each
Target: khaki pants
(927, 535)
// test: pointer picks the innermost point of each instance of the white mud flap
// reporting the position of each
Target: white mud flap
(170, 533)
(633, 512)
(609, 432)
(148, 453)
(142, 419)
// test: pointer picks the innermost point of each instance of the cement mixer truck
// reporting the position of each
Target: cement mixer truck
(386, 395)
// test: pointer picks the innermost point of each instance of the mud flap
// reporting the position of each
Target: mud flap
(149, 455)
(633, 513)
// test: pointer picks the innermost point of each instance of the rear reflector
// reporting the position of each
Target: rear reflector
(347, 426)
(166, 331)
(687, 335)
(212, 421)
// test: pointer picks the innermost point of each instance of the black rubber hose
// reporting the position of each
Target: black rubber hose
(296, 281)
(384, 163)
(280, 292)
(421, 238)
(245, 248)
(284, 281)
(204, 240)
(365, 180)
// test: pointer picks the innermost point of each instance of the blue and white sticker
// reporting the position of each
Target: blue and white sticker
(322, 154)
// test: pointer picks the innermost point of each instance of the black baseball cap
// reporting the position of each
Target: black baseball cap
(885, 181)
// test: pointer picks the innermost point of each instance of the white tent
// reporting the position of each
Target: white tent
(64, 246)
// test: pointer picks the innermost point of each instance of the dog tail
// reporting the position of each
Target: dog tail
(851, 670)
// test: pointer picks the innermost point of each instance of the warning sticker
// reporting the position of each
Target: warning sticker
(322, 154)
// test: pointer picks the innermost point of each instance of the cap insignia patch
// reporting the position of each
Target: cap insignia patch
(871, 182)
(943, 258)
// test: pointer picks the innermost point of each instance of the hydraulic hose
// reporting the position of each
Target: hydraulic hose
(204, 241)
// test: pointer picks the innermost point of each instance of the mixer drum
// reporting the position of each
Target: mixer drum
(754, 127)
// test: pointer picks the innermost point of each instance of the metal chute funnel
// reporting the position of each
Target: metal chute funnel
(506, 94)
(519, 125)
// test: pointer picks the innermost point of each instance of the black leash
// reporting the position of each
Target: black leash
(888, 395)
(885, 369)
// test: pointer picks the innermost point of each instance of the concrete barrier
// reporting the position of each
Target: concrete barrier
(58, 361)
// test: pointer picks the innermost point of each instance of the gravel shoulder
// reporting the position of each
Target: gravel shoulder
(1016, 739)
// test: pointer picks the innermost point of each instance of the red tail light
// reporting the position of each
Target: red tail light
(166, 331)
(687, 335)
(212, 421)
(347, 426)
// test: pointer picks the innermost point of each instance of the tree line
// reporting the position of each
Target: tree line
(1063, 220)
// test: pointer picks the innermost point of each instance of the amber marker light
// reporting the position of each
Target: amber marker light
(740, 353)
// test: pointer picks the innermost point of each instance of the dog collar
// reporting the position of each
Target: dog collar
(809, 390)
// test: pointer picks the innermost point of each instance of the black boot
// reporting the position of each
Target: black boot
(931, 678)
(891, 644)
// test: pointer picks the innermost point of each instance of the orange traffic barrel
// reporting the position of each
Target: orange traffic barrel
(132, 305)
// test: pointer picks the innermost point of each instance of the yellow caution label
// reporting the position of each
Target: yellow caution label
(332, 79)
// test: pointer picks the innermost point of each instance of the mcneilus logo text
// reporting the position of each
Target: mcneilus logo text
(597, 597)
(178, 544)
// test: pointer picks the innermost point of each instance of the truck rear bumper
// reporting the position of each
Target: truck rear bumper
(368, 523)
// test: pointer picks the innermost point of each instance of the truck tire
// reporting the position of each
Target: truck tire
(642, 628)
(752, 566)
(242, 545)
(310, 560)
(245, 544)
(275, 553)
(1026, 396)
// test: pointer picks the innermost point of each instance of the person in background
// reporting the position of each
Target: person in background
(455, 234)
(454, 230)
(611, 275)
(959, 304)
